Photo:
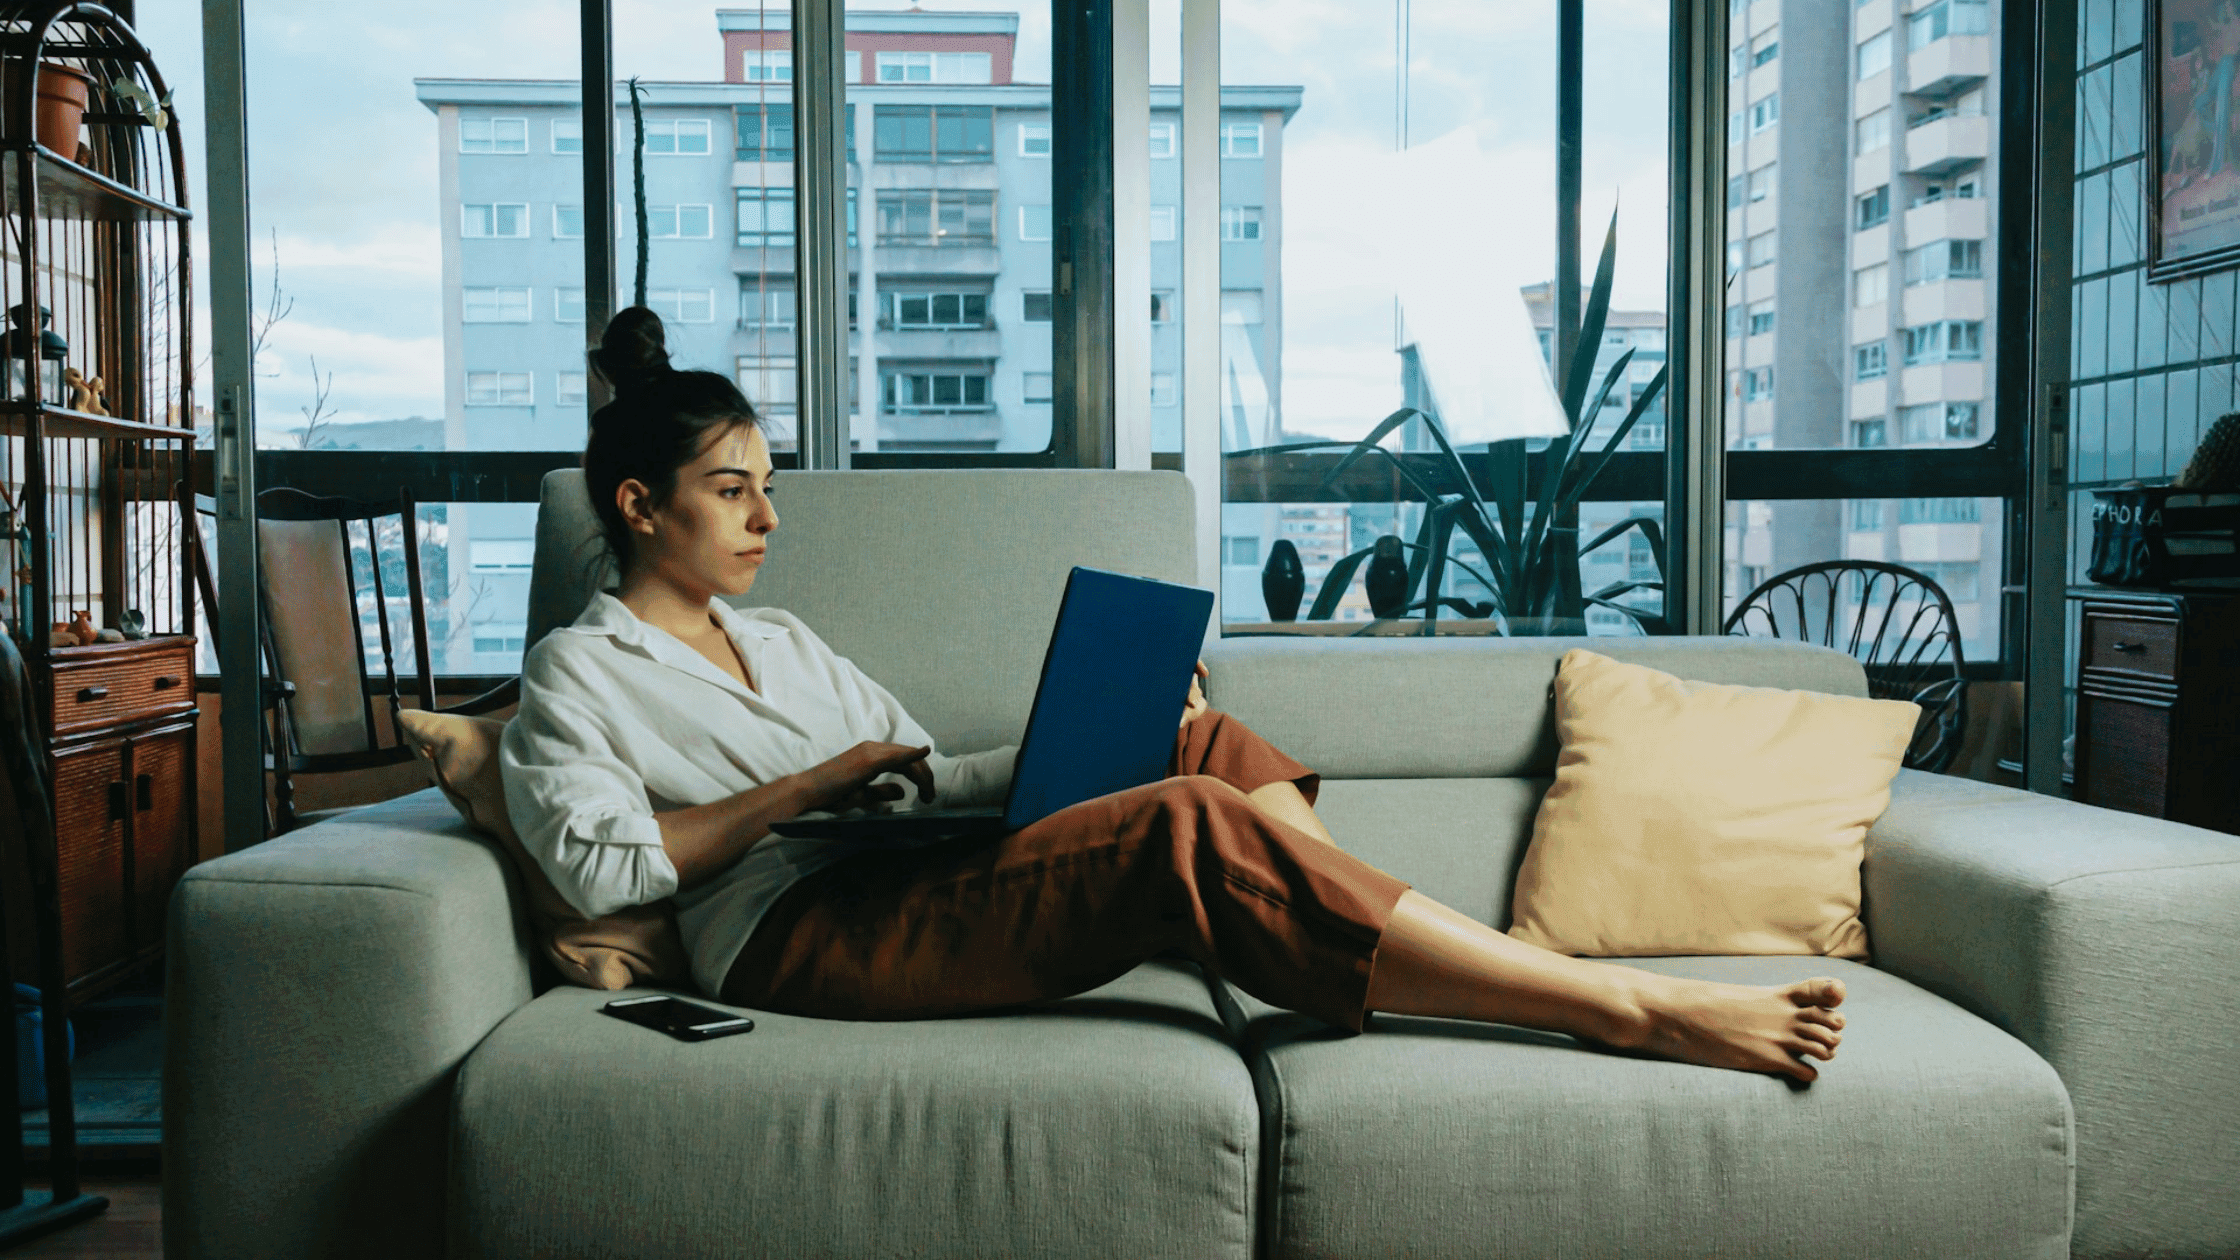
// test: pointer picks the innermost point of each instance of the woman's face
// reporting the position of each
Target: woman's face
(710, 536)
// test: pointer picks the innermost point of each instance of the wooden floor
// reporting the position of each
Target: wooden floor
(130, 1229)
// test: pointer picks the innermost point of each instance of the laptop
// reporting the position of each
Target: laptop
(1114, 682)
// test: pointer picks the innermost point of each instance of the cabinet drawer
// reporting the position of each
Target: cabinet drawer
(106, 690)
(2136, 645)
(2123, 755)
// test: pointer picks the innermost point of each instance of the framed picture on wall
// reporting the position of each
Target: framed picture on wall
(2193, 124)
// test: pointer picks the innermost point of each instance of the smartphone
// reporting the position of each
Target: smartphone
(686, 1021)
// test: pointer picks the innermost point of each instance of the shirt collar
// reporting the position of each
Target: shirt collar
(609, 616)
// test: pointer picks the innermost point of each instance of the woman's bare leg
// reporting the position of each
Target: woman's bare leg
(1283, 801)
(1435, 961)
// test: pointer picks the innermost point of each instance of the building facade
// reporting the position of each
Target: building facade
(949, 257)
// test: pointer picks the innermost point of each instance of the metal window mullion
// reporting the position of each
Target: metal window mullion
(1200, 234)
(820, 180)
(1082, 308)
(1131, 233)
(1695, 429)
(598, 130)
(226, 176)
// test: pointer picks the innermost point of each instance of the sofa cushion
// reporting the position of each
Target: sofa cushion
(1931, 1134)
(1116, 1123)
(1457, 708)
(1457, 841)
(956, 630)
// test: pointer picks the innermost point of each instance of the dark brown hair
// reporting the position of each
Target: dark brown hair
(660, 420)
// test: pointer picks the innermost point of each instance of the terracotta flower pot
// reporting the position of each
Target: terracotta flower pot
(61, 108)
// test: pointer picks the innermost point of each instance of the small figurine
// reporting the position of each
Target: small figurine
(133, 624)
(61, 635)
(81, 624)
(85, 392)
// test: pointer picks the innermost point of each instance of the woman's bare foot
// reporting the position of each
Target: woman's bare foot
(1746, 1027)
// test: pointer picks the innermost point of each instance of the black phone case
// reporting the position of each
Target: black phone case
(645, 1013)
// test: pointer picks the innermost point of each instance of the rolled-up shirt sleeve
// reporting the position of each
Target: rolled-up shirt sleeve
(580, 811)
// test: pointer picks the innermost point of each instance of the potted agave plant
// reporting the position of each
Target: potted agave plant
(1529, 543)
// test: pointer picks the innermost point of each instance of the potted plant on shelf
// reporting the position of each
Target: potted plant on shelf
(1529, 543)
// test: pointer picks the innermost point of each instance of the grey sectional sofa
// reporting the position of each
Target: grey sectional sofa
(362, 1061)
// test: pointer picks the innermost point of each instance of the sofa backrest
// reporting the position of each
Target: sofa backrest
(940, 585)
(1435, 753)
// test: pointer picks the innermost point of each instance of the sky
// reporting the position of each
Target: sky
(343, 163)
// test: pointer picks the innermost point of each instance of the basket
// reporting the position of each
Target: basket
(2160, 536)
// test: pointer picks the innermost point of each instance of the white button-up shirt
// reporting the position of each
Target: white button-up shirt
(620, 719)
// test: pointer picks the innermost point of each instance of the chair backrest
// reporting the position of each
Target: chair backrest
(942, 586)
(330, 632)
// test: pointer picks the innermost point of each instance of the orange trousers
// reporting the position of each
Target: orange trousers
(1077, 900)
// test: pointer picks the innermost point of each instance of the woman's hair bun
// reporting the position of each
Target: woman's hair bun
(633, 351)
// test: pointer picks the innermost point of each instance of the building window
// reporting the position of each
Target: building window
(1966, 105)
(772, 383)
(766, 217)
(766, 65)
(501, 389)
(501, 555)
(1734, 127)
(1765, 48)
(1035, 387)
(1738, 60)
(567, 135)
(1866, 516)
(1162, 305)
(1765, 112)
(933, 67)
(1946, 17)
(503, 218)
(567, 223)
(1872, 132)
(936, 310)
(1761, 249)
(683, 306)
(1735, 320)
(571, 389)
(1240, 223)
(1871, 209)
(1735, 185)
(1874, 54)
(503, 304)
(1162, 223)
(678, 137)
(1940, 511)
(1959, 579)
(1761, 182)
(1242, 306)
(1240, 139)
(1034, 306)
(1034, 139)
(1162, 140)
(934, 392)
(493, 135)
(765, 132)
(1961, 189)
(1870, 433)
(1241, 549)
(1939, 422)
(1034, 223)
(1757, 384)
(927, 133)
(567, 306)
(1945, 341)
(1163, 393)
(1870, 362)
(1761, 318)
(500, 636)
(764, 306)
(1944, 260)
(1870, 286)
(1734, 260)
(688, 222)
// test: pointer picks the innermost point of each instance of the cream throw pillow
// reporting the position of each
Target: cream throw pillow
(1696, 818)
(636, 946)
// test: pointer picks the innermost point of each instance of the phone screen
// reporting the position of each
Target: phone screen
(686, 1021)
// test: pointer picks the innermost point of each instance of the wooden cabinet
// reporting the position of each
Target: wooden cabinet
(2158, 705)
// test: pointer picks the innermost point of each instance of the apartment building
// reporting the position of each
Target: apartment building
(949, 257)
(1859, 254)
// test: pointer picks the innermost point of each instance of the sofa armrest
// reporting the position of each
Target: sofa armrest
(2110, 944)
(321, 990)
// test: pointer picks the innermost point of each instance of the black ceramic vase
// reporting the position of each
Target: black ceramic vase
(1283, 581)
(1387, 579)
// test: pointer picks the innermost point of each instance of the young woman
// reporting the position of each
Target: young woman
(662, 733)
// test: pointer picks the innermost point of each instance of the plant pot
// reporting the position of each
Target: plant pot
(58, 115)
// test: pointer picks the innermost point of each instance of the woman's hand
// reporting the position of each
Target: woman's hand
(845, 782)
(1196, 704)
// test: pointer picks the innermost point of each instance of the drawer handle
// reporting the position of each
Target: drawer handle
(165, 682)
(87, 695)
(2122, 646)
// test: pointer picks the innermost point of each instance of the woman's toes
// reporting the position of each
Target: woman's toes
(1814, 1033)
(1800, 1070)
(1805, 1045)
(1818, 991)
(1820, 1015)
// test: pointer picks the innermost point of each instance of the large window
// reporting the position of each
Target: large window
(938, 218)
(933, 133)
